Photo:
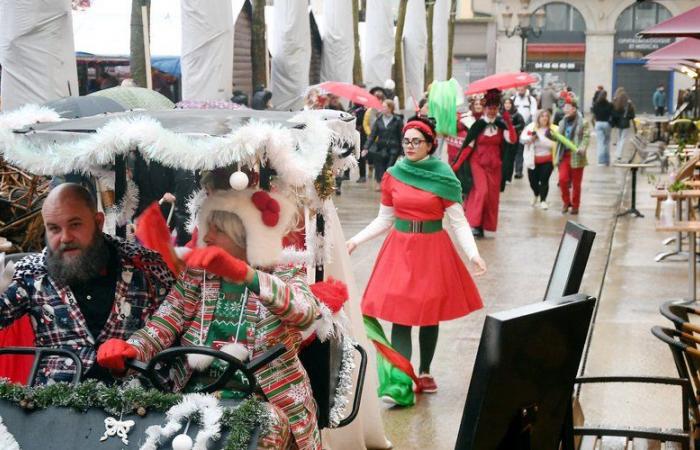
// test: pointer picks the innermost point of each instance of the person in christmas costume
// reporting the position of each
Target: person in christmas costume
(222, 301)
(418, 279)
(483, 148)
(464, 121)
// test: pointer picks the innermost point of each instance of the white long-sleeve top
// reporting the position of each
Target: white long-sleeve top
(456, 221)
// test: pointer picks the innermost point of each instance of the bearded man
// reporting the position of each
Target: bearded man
(85, 287)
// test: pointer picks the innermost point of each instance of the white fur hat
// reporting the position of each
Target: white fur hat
(263, 242)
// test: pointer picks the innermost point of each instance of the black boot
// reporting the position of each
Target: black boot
(478, 232)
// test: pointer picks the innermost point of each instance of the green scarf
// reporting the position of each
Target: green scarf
(430, 175)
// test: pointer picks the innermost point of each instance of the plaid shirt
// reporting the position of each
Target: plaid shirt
(56, 317)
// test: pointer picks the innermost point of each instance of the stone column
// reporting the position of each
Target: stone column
(508, 53)
(600, 48)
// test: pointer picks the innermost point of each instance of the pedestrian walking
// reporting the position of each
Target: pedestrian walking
(540, 139)
(510, 151)
(571, 157)
(602, 112)
(384, 143)
(418, 278)
(659, 100)
(482, 149)
(622, 119)
(527, 107)
(548, 98)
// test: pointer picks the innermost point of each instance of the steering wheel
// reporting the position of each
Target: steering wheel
(150, 370)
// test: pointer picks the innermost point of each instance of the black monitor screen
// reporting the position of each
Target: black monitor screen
(527, 361)
(572, 257)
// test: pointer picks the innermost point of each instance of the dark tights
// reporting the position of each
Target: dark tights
(427, 339)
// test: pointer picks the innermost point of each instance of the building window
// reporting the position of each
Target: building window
(640, 16)
(562, 17)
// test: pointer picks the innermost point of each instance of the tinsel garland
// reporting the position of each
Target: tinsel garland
(345, 383)
(239, 421)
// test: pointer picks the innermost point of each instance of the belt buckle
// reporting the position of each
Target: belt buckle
(416, 226)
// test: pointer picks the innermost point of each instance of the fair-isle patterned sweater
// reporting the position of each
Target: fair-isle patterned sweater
(283, 308)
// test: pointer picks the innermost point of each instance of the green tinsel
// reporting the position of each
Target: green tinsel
(115, 400)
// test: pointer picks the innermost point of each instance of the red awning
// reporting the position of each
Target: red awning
(682, 25)
(557, 48)
(686, 48)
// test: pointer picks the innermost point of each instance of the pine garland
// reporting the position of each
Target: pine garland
(325, 182)
(239, 421)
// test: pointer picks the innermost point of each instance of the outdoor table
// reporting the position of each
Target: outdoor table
(690, 227)
(634, 167)
(679, 196)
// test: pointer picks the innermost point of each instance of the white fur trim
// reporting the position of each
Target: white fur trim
(26, 115)
(237, 350)
(199, 362)
(7, 441)
(194, 203)
(263, 243)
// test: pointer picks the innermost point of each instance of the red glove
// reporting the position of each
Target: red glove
(506, 116)
(114, 352)
(217, 261)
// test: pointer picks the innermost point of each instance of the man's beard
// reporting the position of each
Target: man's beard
(87, 265)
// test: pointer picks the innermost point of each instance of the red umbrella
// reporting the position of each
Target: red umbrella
(349, 91)
(501, 81)
(682, 25)
(687, 48)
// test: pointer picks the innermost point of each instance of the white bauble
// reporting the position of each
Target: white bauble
(238, 180)
(182, 442)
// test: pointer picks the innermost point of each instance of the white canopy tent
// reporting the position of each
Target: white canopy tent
(441, 18)
(36, 52)
(415, 38)
(378, 55)
(290, 47)
(335, 26)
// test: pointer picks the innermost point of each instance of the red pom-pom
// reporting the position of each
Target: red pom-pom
(273, 206)
(260, 199)
(270, 218)
(332, 293)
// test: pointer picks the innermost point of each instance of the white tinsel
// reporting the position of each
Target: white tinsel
(7, 441)
(345, 382)
(194, 203)
(210, 413)
(123, 211)
(26, 115)
(297, 155)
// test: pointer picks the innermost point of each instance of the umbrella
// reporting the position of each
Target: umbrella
(136, 98)
(682, 25)
(349, 91)
(501, 81)
(207, 104)
(75, 107)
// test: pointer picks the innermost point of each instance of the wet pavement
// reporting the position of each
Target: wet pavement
(621, 272)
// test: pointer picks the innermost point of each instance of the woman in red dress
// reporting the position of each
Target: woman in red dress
(418, 278)
(488, 135)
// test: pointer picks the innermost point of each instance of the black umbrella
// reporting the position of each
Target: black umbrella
(76, 107)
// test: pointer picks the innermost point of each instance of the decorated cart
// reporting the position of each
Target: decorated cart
(297, 155)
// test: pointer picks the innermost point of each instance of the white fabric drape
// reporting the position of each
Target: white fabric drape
(292, 54)
(415, 38)
(441, 18)
(367, 430)
(207, 49)
(36, 52)
(379, 43)
(338, 45)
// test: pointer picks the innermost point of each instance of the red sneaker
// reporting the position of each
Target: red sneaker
(427, 383)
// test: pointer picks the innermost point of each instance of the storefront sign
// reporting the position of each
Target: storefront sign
(629, 42)
(539, 66)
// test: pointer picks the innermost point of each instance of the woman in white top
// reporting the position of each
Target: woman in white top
(540, 141)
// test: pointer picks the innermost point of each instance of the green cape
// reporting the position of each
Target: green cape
(430, 175)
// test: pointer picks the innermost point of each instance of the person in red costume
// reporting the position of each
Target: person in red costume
(482, 149)
(464, 121)
(419, 278)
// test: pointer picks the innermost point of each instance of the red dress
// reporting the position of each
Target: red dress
(418, 279)
(482, 203)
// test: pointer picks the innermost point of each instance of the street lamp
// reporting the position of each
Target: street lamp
(524, 28)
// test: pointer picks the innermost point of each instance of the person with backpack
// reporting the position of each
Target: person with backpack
(526, 105)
